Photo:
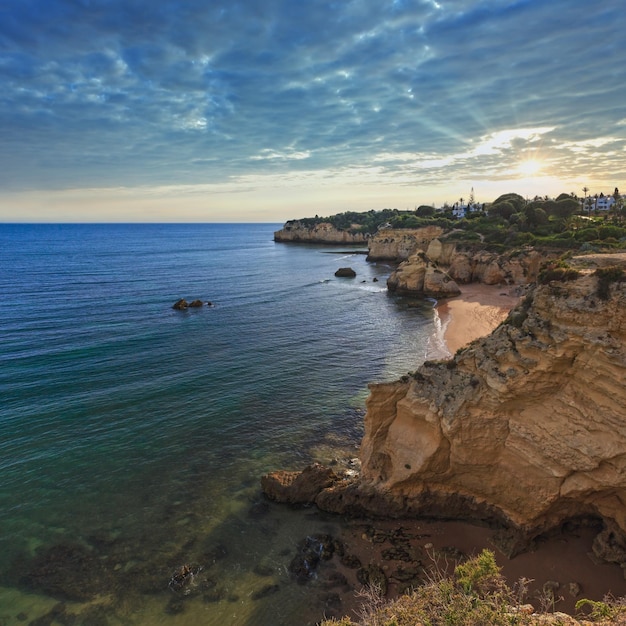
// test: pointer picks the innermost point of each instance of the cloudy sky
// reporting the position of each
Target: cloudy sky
(265, 110)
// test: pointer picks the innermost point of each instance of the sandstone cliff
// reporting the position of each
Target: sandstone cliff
(296, 231)
(514, 267)
(418, 275)
(525, 427)
(457, 264)
(398, 244)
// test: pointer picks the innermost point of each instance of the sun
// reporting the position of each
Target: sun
(529, 168)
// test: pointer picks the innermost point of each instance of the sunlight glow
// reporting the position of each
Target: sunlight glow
(529, 168)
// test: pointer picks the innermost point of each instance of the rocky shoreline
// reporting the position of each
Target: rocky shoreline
(522, 431)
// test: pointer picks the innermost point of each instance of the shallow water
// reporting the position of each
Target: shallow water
(136, 434)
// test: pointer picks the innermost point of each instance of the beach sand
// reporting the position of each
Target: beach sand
(475, 313)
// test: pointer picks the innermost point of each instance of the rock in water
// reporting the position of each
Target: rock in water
(345, 272)
(298, 487)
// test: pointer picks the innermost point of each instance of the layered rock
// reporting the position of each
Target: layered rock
(461, 265)
(419, 276)
(515, 267)
(398, 244)
(525, 427)
(529, 422)
(325, 233)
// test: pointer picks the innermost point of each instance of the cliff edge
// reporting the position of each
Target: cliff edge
(296, 231)
(525, 428)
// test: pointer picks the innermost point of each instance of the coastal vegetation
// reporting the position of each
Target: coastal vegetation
(475, 593)
(511, 220)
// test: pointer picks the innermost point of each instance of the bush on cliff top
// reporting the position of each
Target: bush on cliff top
(557, 271)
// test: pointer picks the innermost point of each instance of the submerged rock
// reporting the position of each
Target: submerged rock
(68, 572)
(373, 576)
(184, 579)
(311, 551)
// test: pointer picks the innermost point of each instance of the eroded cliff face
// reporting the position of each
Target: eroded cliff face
(490, 268)
(418, 275)
(425, 249)
(295, 231)
(398, 244)
(527, 425)
(524, 428)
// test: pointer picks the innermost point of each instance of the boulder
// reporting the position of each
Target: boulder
(181, 305)
(418, 276)
(438, 284)
(298, 487)
(345, 272)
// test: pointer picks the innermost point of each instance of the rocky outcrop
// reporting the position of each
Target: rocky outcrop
(420, 277)
(515, 267)
(461, 264)
(525, 428)
(325, 233)
(183, 305)
(298, 487)
(398, 244)
(345, 272)
(526, 425)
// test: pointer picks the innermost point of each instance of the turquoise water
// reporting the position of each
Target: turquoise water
(139, 433)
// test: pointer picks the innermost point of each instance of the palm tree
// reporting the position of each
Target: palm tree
(586, 190)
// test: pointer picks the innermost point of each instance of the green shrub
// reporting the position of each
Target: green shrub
(615, 232)
(557, 271)
(606, 276)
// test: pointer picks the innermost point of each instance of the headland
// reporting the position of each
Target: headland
(522, 431)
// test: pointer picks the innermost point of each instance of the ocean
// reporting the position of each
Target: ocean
(133, 436)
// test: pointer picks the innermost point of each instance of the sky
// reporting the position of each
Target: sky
(268, 110)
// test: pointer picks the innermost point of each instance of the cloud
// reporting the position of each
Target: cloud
(97, 93)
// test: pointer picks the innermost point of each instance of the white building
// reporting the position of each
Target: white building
(460, 210)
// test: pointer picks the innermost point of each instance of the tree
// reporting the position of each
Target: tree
(586, 190)
(514, 198)
(503, 209)
(425, 211)
(565, 208)
(535, 216)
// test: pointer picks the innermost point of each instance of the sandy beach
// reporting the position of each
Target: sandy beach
(475, 313)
